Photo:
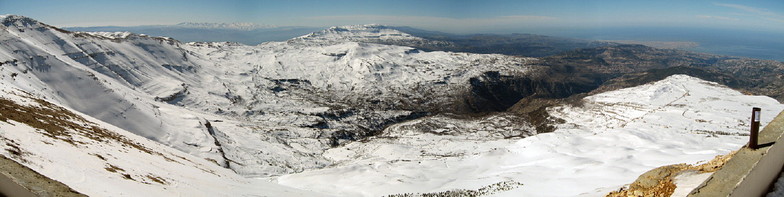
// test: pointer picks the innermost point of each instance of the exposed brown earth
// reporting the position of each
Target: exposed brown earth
(660, 182)
(62, 124)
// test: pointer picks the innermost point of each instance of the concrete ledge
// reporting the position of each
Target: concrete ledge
(10, 187)
(749, 172)
(18, 180)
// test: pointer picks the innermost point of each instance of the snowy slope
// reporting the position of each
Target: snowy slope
(114, 77)
(274, 108)
(98, 159)
(603, 144)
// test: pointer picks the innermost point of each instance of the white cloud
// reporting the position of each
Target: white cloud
(759, 12)
(721, 18)
(781, 20)
(748, 9)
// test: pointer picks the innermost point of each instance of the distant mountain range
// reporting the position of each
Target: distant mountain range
(529, 45)
(245, 33)
(741, 43)
(237, 26)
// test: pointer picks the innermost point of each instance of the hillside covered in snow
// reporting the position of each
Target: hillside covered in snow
(345, 111)
(602, 144)
(246, 33)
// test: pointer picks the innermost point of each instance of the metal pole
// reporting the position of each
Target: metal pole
(755, 122)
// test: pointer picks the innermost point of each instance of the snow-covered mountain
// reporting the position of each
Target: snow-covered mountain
(359, 33)
(372, 33)
(108, 78)
(246, 33)
(338, 111)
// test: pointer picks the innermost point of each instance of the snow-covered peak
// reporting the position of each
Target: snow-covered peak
(47, 32)
(359, 27)
(124, 35)
(16, 20)
(358, 33)
(110, 35)
(617, 108)
(238, 26)
(663, 91)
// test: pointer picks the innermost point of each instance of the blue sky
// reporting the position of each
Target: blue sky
(459, 16)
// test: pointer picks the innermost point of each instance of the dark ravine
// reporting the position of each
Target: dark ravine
(360, 126)
(211, 131)
(493, 92)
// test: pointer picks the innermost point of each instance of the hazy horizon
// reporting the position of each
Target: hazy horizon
(742, 43)
(497, 16)
(749, 28)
